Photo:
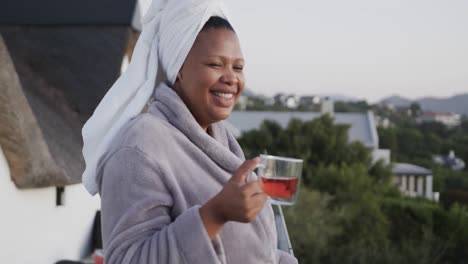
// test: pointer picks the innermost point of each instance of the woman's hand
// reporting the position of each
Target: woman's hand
(237, 201)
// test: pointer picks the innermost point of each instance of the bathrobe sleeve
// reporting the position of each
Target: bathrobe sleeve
(285, 258)
(136, 223)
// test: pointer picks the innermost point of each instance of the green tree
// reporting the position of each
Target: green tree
(349, 212)
(415, 109)
(388, 139)
(359, 106)
(311, 217)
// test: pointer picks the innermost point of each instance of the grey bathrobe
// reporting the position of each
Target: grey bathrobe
(161, 168)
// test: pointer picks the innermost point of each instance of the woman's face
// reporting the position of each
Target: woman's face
(211, 78)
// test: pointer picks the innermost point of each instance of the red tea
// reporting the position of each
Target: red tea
(279, 187)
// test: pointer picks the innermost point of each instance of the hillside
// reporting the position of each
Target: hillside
(457, 104)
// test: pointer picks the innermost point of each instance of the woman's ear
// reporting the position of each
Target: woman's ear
(177, 81)
(180, 75)
(179, 78)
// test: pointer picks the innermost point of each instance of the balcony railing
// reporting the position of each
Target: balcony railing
(284, 243)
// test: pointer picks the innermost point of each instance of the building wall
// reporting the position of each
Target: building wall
(381, 154)
(34, 230)
(416, 186)
(446, 119)
(449, 120)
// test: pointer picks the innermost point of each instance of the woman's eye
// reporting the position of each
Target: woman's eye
(215, 64)
(239, 68)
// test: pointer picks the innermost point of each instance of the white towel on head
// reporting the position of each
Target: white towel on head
(170, 28)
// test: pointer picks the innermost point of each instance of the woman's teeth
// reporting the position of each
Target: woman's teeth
(224, 95)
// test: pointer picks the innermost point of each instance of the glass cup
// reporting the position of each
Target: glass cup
(280, 178)
(98, 256)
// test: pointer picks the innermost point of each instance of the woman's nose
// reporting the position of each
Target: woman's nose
(229, 77)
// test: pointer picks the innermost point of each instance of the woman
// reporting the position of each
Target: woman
(172, 180)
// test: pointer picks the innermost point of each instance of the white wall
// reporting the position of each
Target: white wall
(34, 230)
(381, 154)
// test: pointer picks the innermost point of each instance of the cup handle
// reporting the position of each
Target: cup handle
(252, 176)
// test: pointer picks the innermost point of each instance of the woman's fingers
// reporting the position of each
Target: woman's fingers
(240, 201)
(257, 202)
(251, 188)
(243, 170)
(254, 196)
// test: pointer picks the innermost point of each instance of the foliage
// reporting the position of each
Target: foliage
(415, 109)
(348, 211)
(257, 103)
(427, 233)
(359, 106)
(417, 143)
(311, 217)
(317, 142)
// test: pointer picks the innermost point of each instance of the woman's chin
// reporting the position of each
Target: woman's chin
(221, 114)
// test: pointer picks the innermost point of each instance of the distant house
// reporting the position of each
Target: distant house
(404, 110)
(382, 121)
(386, 105)
(269, 101)
(362, 129)
(279, 98)
(327, 106)
(291, 102)
(287, 100)
(448, 119)
(309, 101)
(414, 181)
(449, 160)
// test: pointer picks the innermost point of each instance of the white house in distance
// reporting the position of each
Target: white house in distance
(362, 129)
(448, 119)
(362, 124)
(414, 181)
(290, 101)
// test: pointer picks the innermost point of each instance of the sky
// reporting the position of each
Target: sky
(368, 49)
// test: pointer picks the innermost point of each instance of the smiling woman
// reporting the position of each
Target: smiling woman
(211, 78)
(172, 179)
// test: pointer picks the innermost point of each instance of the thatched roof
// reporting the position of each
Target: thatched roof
(59, 12)
(51, 80)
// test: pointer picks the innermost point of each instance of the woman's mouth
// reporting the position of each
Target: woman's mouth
(223, 99)
(224, 95)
